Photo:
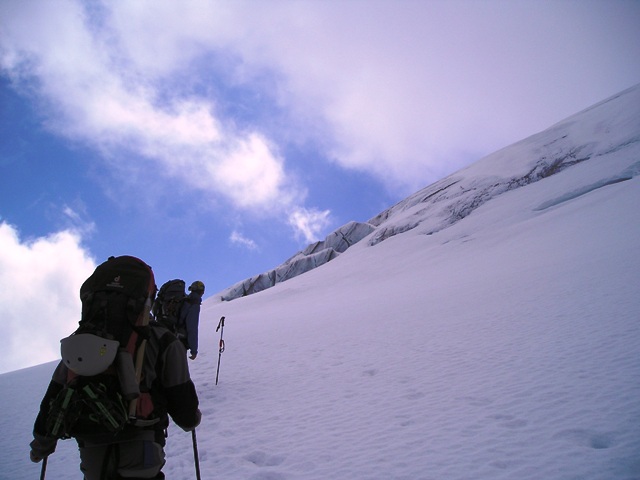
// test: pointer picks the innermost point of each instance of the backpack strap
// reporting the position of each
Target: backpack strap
(140, 355)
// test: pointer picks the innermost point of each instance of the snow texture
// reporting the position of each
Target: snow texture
(497, 338)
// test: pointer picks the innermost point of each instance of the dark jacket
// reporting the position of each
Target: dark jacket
(189, 319)
(165, 374)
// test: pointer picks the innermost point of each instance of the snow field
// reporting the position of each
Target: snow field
(499, 355)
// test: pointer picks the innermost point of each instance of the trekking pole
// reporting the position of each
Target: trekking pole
(195, 453)
(43, 471)
(221, 345)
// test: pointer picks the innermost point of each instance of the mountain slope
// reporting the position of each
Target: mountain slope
(502, 345)
(596, 132)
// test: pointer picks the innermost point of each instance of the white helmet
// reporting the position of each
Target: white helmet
(87, 354)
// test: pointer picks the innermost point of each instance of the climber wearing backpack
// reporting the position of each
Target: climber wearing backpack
(119, 380)
(190, 317)
(179, 312)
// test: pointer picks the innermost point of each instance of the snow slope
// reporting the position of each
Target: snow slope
(597, 131)
(504, 345)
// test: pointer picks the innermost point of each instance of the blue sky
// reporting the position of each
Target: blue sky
(215, 139)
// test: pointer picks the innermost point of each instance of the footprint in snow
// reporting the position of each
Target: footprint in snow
(509, 421)
(261, 459)
(476, 401)
(414, 395)
(267, 476)
(587, 438)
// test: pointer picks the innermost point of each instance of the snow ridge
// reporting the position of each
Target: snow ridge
(313, 256)
(603, 129)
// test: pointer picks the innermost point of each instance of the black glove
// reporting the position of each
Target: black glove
(42, 447)
(198, 419)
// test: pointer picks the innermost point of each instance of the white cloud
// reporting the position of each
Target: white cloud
(101, 96)
(309, 223)
(40, 281)
(238, 239)
(251, 173)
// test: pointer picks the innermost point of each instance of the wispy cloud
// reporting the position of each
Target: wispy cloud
(238, 239)
(309, 223)
(76, 218)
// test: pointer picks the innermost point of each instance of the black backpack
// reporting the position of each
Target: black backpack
(104, 356)
(166, 308)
